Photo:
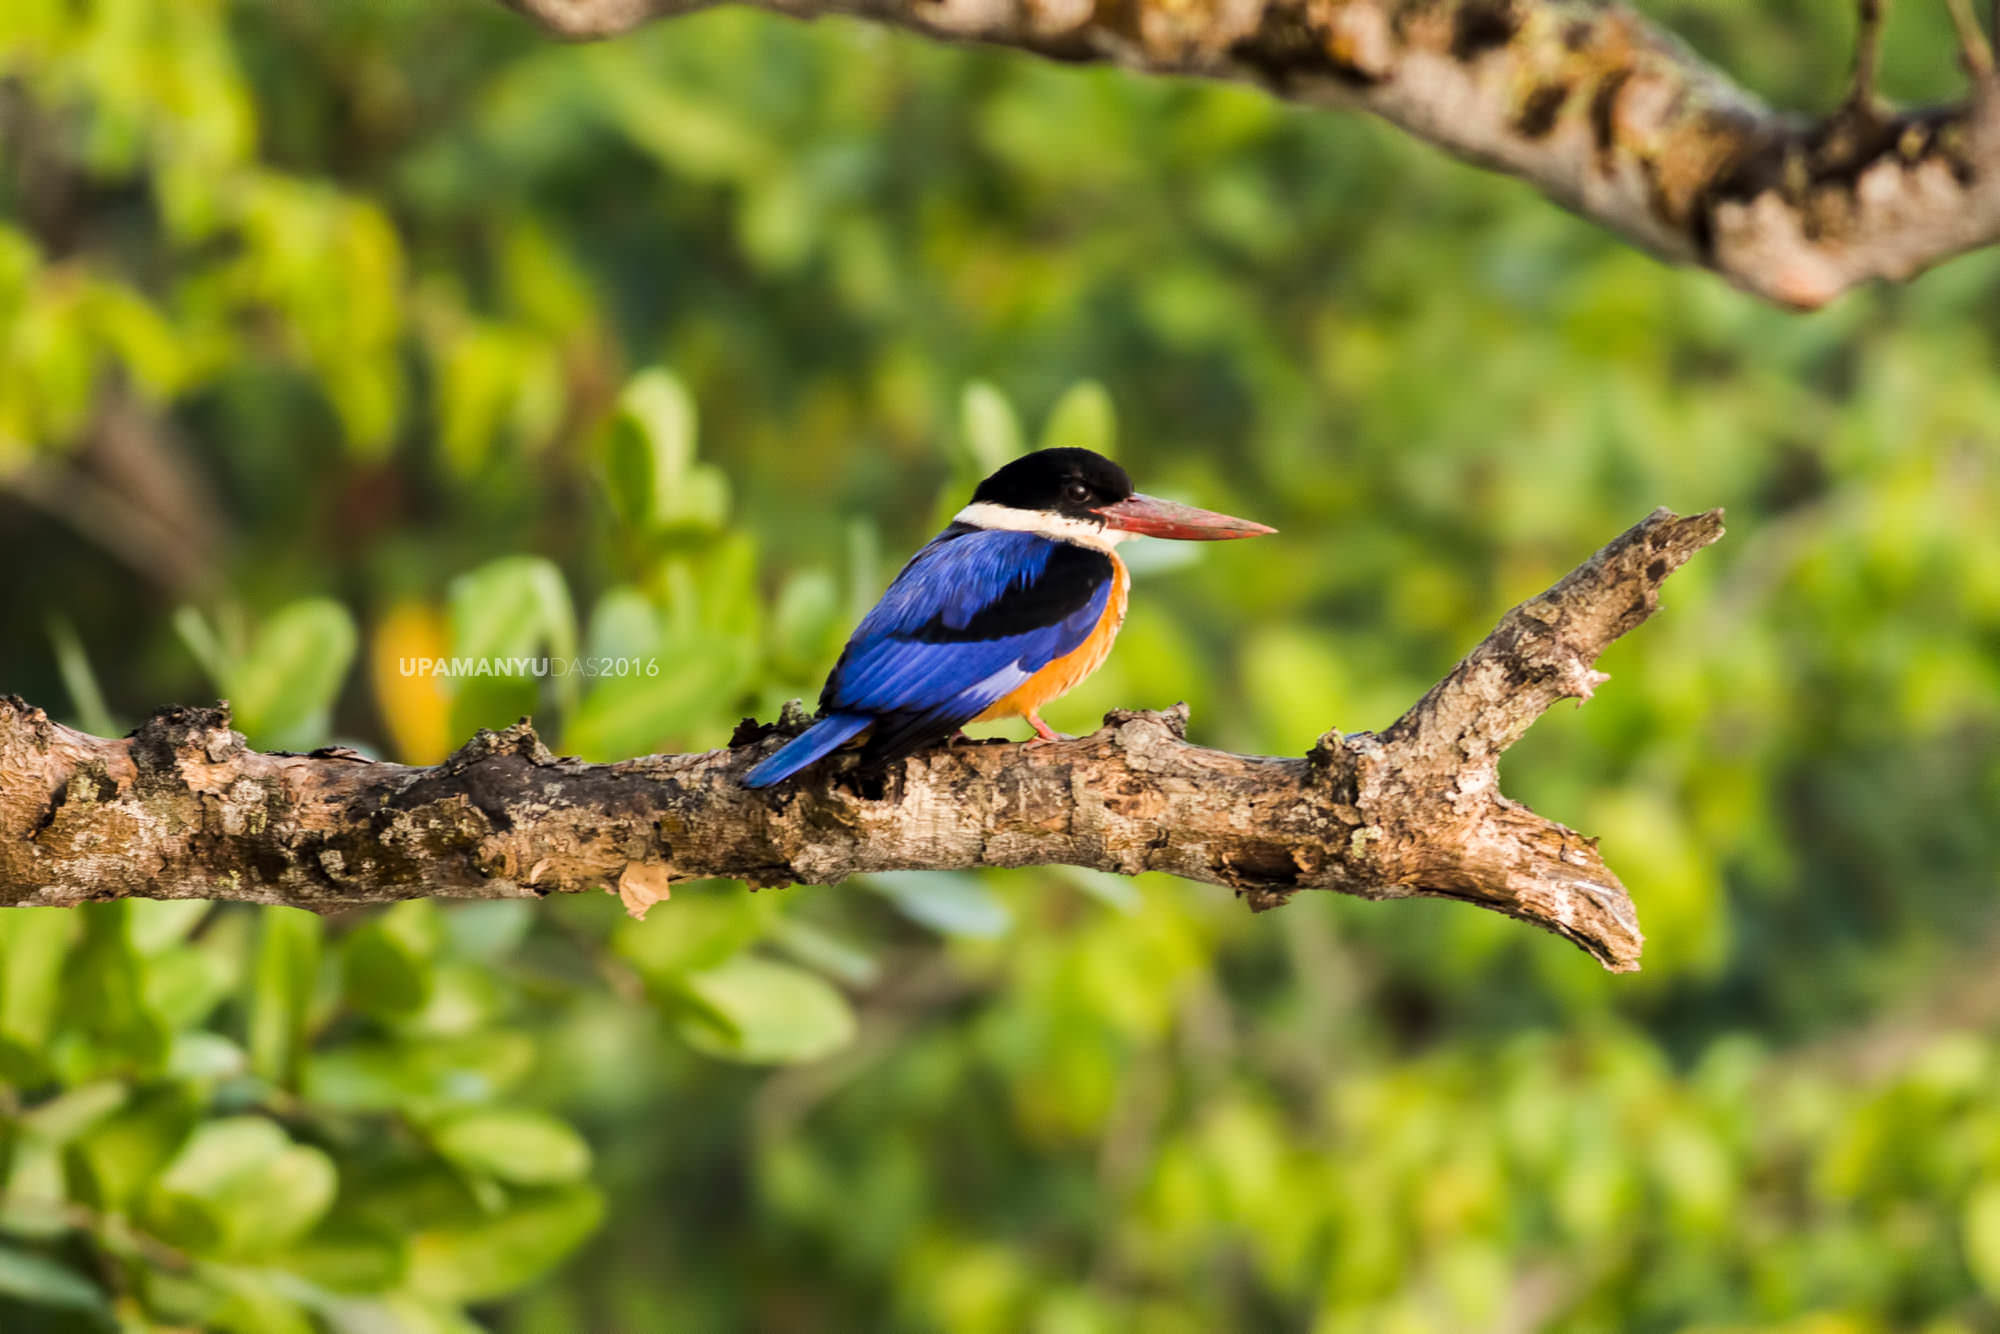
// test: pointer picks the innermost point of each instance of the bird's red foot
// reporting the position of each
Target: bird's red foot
(1044, 734)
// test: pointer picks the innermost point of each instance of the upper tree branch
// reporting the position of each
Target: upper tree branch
(1594, 106)
(183, 809)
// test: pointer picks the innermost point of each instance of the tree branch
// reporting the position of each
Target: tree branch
(182, 808)
(1598, 109)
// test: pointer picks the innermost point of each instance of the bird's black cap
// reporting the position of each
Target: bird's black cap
(1073, 482)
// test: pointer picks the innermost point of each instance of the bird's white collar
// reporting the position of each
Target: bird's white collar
(1060, 528)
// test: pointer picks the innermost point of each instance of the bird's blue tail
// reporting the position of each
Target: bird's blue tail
(816, 742)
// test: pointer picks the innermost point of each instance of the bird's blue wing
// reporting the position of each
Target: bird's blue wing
(971, 617)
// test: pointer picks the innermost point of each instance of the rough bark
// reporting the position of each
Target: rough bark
(1602, 111)
(182, 808)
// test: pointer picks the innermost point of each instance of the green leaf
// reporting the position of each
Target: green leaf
(34, 1191)
(806, 625)
(776, 224)
(945, 901)
(39, 1281)
(1082, 419)
(464, 998)
(387, 962)
(381, 976)
(349, 1256)
(704, 500)
(1981, 1228)
(406, 1075)
(242, 1188)
(772, 1013)
(623, 624)
(123, 1153)
(205, 1056)
(287, 972)
(156, 925)
(34, 942)
(494, 384)
(510, 607)
(73, 664)
(649, 459)
(204, 645)
(490, 1257)
(105, 997)
(184, 985)
(987, 428)
(824, 951)
(176, 1300)
(222, 1151)
(255, 1303)
(505, 615)
(521, 1147)
(714, 592)
(650, 447)
(282, 691)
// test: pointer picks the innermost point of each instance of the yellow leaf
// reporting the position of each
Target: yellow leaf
(413, 701)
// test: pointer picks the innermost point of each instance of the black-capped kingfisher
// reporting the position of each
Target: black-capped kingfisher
(1011, 606)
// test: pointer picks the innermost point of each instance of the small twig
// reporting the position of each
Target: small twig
(1978, 52)
(1868, 57)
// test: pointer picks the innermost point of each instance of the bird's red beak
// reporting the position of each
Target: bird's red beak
(1148, 516)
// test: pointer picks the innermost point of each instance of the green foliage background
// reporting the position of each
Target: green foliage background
(334, 334)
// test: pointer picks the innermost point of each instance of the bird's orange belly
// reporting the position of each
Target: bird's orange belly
(1064, 674)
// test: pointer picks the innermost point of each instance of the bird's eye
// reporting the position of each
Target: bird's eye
(1076, 493)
